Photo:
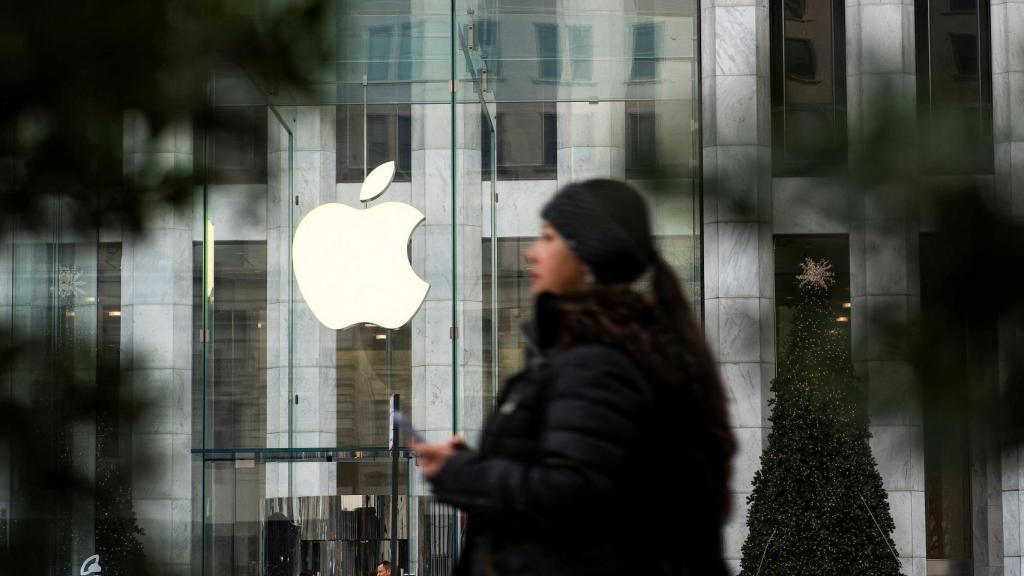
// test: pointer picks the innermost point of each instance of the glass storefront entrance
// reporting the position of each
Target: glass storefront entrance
(264, 446)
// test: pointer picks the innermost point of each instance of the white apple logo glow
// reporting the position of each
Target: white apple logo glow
(352, 265)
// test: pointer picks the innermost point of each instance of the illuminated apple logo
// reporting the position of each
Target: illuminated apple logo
(352, 265)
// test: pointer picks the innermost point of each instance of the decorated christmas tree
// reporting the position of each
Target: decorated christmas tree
(818, 506)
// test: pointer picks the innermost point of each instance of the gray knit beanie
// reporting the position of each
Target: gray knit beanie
(605, 223)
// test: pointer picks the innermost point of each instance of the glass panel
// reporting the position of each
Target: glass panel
(548, 54)
(59, 306)
(389, 134)
(581, 50)
(588, 93)
(645, 55)
(808, 90)
(955, 84)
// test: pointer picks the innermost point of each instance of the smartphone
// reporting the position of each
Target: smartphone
(406, 427)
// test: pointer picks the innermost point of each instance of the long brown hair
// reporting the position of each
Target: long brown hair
(660, 333)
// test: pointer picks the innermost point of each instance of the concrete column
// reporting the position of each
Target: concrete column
(156, 355)
(884, 267)
(309, 363)
(739, 285)
(1008, 112)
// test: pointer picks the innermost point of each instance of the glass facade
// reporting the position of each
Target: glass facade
(263, 446)
(954, 84)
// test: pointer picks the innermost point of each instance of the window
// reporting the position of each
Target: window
(645, 62)
(550, 67)
(403, 68)
(490, 48)
(641, 139)
(378, 53)
(800, 60)
(808, 83)
(962, 372)
(238, 148)
(954, 90)
(388, 137)
(581, 51)
(527, 140)
(657, 138)
(795, 9)
(237, 388)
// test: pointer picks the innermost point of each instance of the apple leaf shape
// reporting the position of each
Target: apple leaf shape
(377, 181)
(352, 266)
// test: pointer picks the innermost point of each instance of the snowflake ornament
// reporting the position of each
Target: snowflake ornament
(70, 282)
(816, 273)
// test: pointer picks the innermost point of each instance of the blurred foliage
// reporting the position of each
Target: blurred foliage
(73, 70)
(967, 347)
(79, 79)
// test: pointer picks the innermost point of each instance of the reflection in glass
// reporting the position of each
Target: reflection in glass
(380, 53)
(388, 137)
(236, 393)
(548, 62)
(527, 141)
(582, 51)
(364, 384)
(642, 150)
(238, 154)
(808, 81)
(489, 39)
(645, 52)
(955, 84)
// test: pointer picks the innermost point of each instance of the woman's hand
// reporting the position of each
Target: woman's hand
(431, 457)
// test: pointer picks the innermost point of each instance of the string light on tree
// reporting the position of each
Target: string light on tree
(818, 505)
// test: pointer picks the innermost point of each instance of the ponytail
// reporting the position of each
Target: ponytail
(702, 374)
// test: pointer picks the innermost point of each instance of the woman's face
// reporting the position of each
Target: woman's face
(554, 266)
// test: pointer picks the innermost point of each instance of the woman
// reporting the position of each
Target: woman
(572, 472)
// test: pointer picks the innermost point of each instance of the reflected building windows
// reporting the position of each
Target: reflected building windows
(488, 38)
(954, 90)
(403, 67)
(645, 52)
(379, 53)
(238, 146)
(527, 141)
(390, 52)
(388, 137)
(808, 82)
(549, 66)
(236, 393)
(801, 61)
(642, 157)
(657, 138)
(581, 50)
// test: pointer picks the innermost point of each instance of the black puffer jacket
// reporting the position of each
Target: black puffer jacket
(585, 468)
